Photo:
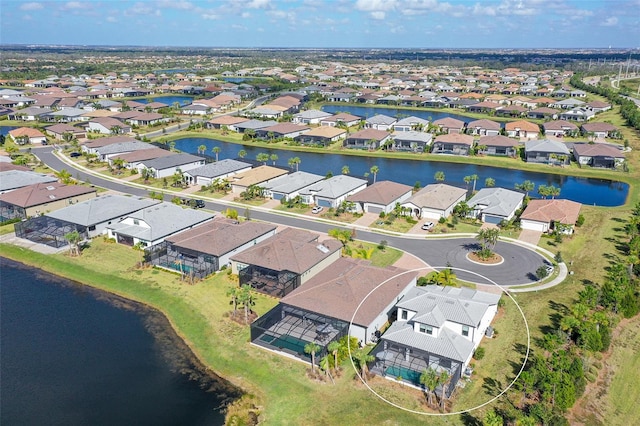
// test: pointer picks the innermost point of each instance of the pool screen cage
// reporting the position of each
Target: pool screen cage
(288, 329)
(186, 262)
(49, 231)
(269, 281)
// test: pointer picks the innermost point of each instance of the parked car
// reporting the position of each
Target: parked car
(75, 154)
(199, 204)
(427, 226)
(317, 209)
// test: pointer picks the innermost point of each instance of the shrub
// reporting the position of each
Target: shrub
(479, 353)
(381, 215)
(580, 220)
(541, 272)
(442, 220)
(558, 257)
(590, 377)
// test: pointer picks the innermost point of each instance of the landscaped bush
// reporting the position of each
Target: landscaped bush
(479, 353)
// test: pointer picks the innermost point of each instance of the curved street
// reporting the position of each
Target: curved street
(519, 266)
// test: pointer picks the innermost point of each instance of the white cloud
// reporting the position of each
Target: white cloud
(141, 8)
(239, 27)
(245, 15)
(610, 22)
(379, 15)
(111, 19)
(210, 16)
(27, 17)
(180, 5)
(375, 5)
(259, 4)
(31, 6)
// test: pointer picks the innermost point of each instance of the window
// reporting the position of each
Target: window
(465, 330)
(404, 314)
(136, 222)
(427, 329)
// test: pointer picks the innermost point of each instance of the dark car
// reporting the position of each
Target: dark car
(75, 154)
(199, 204)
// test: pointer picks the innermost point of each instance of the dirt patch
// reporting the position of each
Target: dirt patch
(493, 260)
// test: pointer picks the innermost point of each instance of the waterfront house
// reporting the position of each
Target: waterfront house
(380, 122)
(207, 174)
(323, 135)
(452, 143)
(312, 116)
(27, 135)
(282, 130)
(449, 125)
(133, 160)
(321, 310)
(542, 215)
(341, 119)
(333, 191)
(40, 198)
(284, 262)
(435, 201)
(522, 129)
(206, 248)
(380, 197)
(560, 128)
(494, 205)
(370, 139)
(256, 176)
(498, 145)
(599, 130)
(151, 225)
(289, 186)
(169, 165)
(253, 125)
(543, 113)
(412, 123)
(483, 127)
(546, 151)
(602, 155)
(438, 328)
(229, 121)
(107, 126)
(411, 140)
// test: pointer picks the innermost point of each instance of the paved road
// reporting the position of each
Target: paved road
(518, 268)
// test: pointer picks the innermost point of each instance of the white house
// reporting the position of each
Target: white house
(435, 201)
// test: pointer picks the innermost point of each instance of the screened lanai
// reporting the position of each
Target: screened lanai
(269, 281)
(48, 230)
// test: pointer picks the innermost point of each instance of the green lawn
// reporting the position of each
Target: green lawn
(399, 224)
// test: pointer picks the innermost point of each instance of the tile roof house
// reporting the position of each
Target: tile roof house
(169, 165)
(204, 249)
(256, 176)
(452, 143)
(133, 159)
(208, 173)
(435, 201)
(312, 116)
(289, 186)
(494, 205)
(370, 139)
(282, 130)
(380, 197)
(40, 198)
(24, 135)
(449, 125)
(559, 128)
(407, 124)
(541, 215)
(225, 120)
(599, 130)
(151, 225)
(498, 145)
(522, 129)
(484, 127)
(333, 191)
(58, 131)
(601, 155)
(341, 118)
(546, 151)
(380, 122)
(13, 179)
(284, 262)
(323, 135)
(438, 328)
(411, 140)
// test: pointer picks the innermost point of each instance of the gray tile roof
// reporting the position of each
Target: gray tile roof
(163, 219)
(255, 124)
(171, 161)
(312, 114)
(219, 168)
(499, 201)
(546, 145)
(335, 186)
(381, 119)
(293, 182)
(412, 136)
(123, 147)
(13, 179)
(101, 209)
(410, 121)
(438, 196)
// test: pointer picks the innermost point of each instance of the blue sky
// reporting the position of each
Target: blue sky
(325, 23)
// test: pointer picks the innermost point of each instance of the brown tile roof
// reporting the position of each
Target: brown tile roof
(289, 251)
(326, 131)
(438, 195)
(144, 154)
(563, 211)
(457, 138)
(497, 140)
(484, 124)
(285, 128)
(43, 193)
(338, 291)
(369, 134)
(599, 127)
(26, 131)
(5, 167)
(522, 125)
(220, 236)
(228, 120)
(597, 150)
(383, 192)
(449, 123)
(342, 116)
(98, 143)
(256, 175)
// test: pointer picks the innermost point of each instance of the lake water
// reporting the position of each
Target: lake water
(4, 130)
(587, 191)
(74, 356)
(169, 100)
(367, 111)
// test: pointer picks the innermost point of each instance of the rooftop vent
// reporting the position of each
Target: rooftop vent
(51, 188)
(322, 248)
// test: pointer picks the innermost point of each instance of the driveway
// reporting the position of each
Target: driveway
(530, 236)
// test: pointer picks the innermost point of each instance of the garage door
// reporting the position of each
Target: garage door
(376, 210)
(492, 219)
(534, 226)
(324, 203)
(277, 196)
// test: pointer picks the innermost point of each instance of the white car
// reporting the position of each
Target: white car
(427, 226)
(317, 209)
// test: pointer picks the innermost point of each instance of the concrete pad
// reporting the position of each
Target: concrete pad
(366, 219)
(530, 236)
(409, 261)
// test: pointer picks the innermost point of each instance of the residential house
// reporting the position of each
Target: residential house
(435, 201)
(344, 119)
(522, 129)
(151, 225)
(370, 139)
(453, 143)
(323, 135)
(253, 125)
(37, 199)
(495, 205)
(108, 125)
(599, 130)
(206, 248)
(333, 191)
(567, 104)
(546, 151)
(543, 215)
(27, 135)
(560, 128)
(28, 114)
(543, 113)
(282, 130)
(598, 106)
(289, 186)
(219, 170)
(312, 116)
(133, 160)
(449, 125)
(104, 153)
(380, 122)
(380, 197)
(600, 155)
(486, 107)
(169, 165)
(577, 114)
(411, 140)
(13, 179)
(437, 328)
(256, 176)
(228, 121)
(322, 310)
(58, 131)
(412, 123)
(498, 145)
(483, 127)
(284, 262)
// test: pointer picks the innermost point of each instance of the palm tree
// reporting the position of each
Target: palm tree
(273, 158)
(216, 151)
(242, 153)
(245, 297)
(446, 277)
(325, 365)
(334, 348)
(312, 348)
(489, 182)
(429, 379)
(526, 186)
(294, 161)
(554, 191)
(345, 170)
(74, 239)
(439, 176)
(233, 293)
(64, 176)
(202, 149)
(443, 380)
(468, 179)
(488, 239)
(362, 358)
(263, 157)
(374, 171)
